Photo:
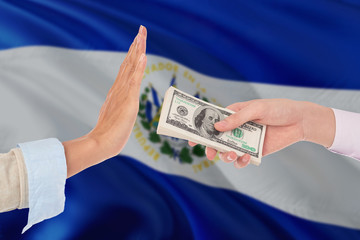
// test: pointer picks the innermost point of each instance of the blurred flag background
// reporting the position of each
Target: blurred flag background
(58, 59)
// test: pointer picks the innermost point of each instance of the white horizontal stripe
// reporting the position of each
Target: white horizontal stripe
(53, 92)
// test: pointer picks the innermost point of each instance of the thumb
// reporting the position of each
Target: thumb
(237, 119)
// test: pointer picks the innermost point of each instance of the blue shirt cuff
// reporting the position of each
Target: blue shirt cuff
(46, 169)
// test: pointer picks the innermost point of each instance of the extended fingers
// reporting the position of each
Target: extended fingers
(138, 76)
(134, 56)
(129, 64)
(144, 34)
(141, 43)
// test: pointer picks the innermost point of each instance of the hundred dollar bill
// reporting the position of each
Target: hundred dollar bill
(187, 117)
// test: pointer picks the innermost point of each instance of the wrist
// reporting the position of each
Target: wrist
(105, 142)
(318, 124)
(81, 153)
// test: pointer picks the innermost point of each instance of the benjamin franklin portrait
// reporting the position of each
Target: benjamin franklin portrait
(204, 119)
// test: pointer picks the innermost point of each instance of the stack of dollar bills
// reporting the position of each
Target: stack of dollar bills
(187, 117)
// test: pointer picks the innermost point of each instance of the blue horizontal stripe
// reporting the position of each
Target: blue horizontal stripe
(124, 199)
(298, 43)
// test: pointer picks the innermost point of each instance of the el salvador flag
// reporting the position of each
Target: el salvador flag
(58, 59)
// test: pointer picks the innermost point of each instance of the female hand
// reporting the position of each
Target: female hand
(287, 122)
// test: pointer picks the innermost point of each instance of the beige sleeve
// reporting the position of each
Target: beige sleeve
(13, 181)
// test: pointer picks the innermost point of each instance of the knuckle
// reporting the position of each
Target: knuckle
(125, 63)
(132, 69)
(234, 120)
(132, 83)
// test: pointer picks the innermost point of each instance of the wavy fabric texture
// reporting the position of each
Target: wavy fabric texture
(298, 43)
(58, 59)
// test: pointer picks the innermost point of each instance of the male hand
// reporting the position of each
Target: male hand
(117, 115)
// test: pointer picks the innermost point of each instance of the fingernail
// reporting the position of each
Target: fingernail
(221, 124)
(245, 159)
(231, 157)
(142, 57)
(140, 28)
